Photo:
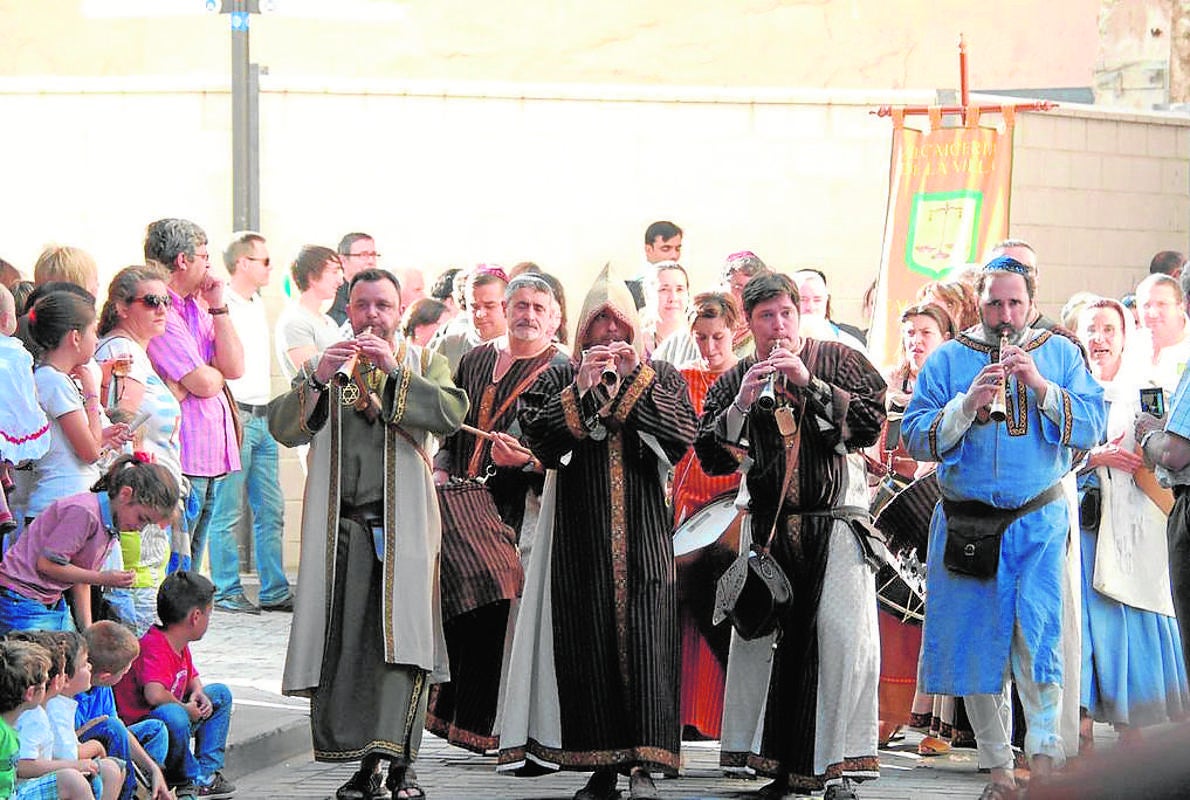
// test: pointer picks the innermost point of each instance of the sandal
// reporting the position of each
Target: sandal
(932, 746)
(840, 791)
(600, 786)
(641, 786)
(998, 791)
(363, 785)
(402, 782)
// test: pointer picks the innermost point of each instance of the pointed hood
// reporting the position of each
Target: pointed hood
(608, 292)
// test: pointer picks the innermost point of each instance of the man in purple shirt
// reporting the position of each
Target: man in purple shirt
(197, 353)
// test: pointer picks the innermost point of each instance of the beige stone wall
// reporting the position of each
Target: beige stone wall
(837, 44)
(569, 179)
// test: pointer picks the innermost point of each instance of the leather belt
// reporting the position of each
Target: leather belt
(256, 411)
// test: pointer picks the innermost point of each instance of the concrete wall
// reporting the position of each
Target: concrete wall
(568, 177)
(836, 44)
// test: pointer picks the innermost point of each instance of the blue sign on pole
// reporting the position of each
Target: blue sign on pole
(239, 20)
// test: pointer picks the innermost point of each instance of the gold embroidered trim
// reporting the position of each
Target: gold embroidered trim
(619, 547)
(574, 419)
(389, 563)
(644, 379)
(981, 347)
(1017, 410)
(1038, 342)
(861, 766)
(414, 710)
(667, 760)
(933, 437)
(404, 378)
(1067, 417)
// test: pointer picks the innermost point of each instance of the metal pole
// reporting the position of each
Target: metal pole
(253, 102)
(964, 91)
(240, 156)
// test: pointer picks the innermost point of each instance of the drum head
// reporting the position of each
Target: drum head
(706, 525)
(905, 520)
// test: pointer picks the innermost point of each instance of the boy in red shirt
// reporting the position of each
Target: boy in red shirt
(163, 684)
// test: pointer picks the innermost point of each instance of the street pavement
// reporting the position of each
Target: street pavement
(269, 742)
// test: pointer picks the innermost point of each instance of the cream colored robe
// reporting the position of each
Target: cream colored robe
(420, 398)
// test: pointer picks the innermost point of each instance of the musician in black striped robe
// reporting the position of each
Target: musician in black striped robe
(481, 570)
(593, 679)
(819, 726)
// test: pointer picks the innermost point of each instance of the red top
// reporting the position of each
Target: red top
(693, 488)
(158, 662)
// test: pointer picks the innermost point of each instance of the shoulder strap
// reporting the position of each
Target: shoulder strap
(525, 383)
(404, 434)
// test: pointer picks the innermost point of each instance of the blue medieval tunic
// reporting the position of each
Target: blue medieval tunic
(969, 621)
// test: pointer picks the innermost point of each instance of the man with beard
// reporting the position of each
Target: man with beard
(819, 722)
(367, 636)
(592, 680)
(481, 571)
(1006, 472)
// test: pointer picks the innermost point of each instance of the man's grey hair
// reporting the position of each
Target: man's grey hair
(166, 239)
(528, 280)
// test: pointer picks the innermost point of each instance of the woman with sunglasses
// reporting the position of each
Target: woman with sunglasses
(133, 314)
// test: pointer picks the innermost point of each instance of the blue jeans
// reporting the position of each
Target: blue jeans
(19, 613)
(202, 494)
(258, 457)
(183, 765)
(113, 735)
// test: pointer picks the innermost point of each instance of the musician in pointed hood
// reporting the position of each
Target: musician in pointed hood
(593, 678)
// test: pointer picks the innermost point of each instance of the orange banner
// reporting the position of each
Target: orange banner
(948, 201)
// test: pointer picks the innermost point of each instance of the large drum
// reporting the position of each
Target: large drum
(717, 521)
(903, 510)
(900, 589)
(905, 519)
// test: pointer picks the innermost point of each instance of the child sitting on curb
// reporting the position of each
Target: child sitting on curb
(40, 773)
(24, 671)
(163, 684)
(111, 649)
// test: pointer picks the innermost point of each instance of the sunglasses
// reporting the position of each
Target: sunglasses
(153, 300)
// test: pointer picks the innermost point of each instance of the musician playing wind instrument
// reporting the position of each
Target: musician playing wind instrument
(1008, 588)
(592, 679)
(819, 723)
(367, 638)
(481, 569)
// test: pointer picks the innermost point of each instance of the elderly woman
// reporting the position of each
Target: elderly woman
(1133, 674)
(704, 646)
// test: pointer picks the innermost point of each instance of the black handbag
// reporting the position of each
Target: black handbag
(753, 594)
(973, 544)
(974, 531)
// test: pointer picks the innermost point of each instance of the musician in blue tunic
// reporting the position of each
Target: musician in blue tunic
(978, 628)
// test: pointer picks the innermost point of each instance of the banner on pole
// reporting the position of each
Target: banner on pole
(948, 200)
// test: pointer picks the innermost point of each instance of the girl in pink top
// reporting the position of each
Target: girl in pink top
(64, 548)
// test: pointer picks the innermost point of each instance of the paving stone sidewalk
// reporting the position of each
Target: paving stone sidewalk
(269, 743)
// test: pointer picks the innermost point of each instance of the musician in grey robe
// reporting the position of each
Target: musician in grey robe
(367, 637)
